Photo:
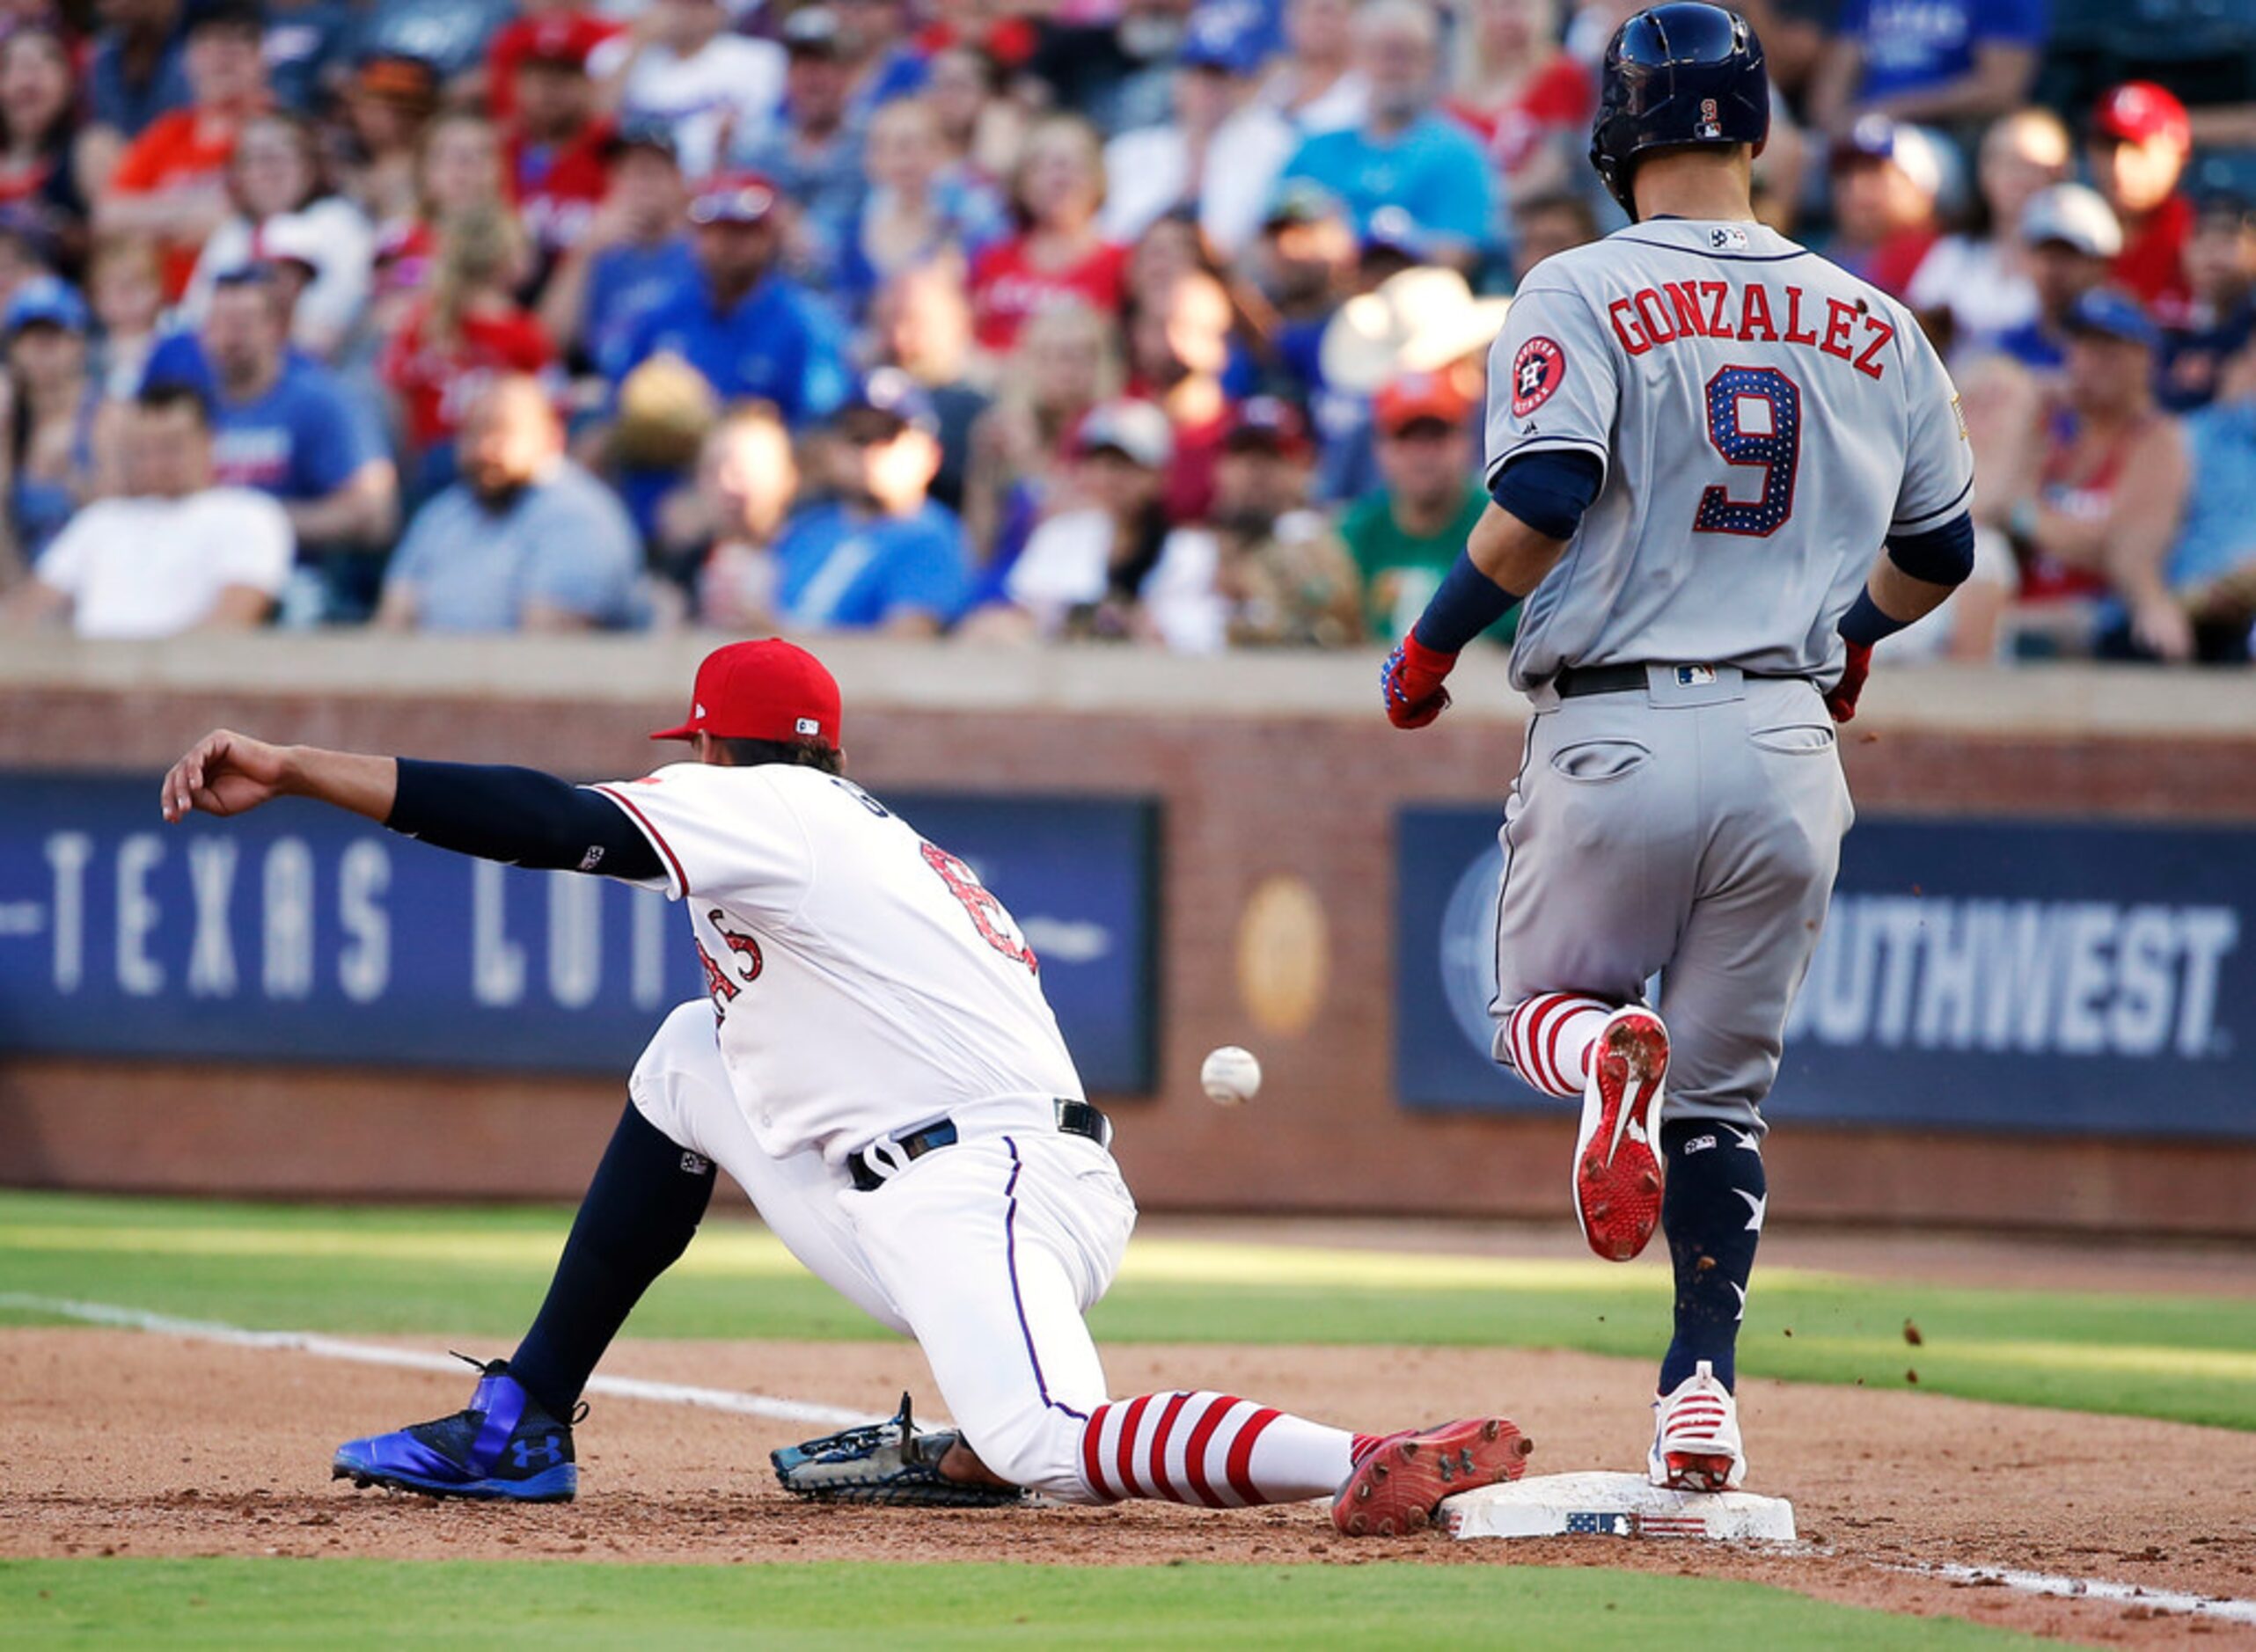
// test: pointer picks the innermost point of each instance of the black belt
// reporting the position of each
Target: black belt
(1074, 1118)
(1576, 681)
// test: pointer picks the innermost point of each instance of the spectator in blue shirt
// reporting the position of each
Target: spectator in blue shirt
(884, 557)
(749, 330)
(286, 426)
(1406, 154)
(526, 540)
(1937, 63)
(813, 155)
(634, 256)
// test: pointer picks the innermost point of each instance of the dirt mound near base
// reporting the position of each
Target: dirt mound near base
(119, 1443)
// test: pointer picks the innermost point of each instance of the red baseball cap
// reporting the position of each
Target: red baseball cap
(1418, 396)
(768, 690)
(2138, 110)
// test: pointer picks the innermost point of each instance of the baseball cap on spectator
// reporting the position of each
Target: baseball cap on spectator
(2074, 216)
(767, 690)
(643, 132)
(2107, 313)
(1266, 424)
(888, 403)
(565, 39)
(1222, 38)
(45, 301)
(251, 272)
(1301, 201)
(1418, 399)
(1876, 139)
(734, 198)
(1391, 228)
(814, 31)
(1136, 430)
(395, 78)
(244, 17)
(2138, 111)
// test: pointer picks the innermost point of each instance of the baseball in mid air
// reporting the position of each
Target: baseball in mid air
(1230, 1075)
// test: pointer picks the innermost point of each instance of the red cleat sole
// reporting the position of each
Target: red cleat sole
(1617, 1175)
(1398, 1486)
(1687, 1471)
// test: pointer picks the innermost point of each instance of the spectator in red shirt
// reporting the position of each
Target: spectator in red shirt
(458, 169)
(388, 110)
(172, 182)
(2141, 138)
(1523, 96)
(469, 331)
(1058, 256)
(542, 28)
(1885, 178)
(557, 149)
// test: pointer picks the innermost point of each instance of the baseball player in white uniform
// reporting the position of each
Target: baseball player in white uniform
(1701, 436)
(877, 1066)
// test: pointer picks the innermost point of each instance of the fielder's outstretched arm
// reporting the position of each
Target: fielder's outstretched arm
(520, 816)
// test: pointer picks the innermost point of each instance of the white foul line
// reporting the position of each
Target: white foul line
(768, 1405)
(2090, 1589)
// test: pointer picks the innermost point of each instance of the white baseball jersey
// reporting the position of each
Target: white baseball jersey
(1765, 419)
(865, 983)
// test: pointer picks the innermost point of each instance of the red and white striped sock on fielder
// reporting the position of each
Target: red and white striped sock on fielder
(1548, 1038)
(1212, 1448)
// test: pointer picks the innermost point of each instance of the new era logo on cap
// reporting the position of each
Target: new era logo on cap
(767, 690)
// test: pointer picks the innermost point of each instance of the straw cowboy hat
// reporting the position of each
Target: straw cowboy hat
(1419, 321)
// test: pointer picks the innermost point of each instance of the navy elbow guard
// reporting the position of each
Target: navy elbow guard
(1941, 556)
(1548, 491)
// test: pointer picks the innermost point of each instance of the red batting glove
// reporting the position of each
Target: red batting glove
(1840, 699)
(1413, 678)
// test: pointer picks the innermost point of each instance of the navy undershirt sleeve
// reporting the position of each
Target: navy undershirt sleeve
(1548, 491)
(1941, 556)
(521, 816)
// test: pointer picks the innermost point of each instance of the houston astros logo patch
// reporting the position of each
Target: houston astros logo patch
(1536, 372)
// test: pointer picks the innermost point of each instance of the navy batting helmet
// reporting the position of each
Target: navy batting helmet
(1677, 76)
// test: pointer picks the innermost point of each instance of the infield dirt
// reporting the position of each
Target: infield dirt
(123, 1443)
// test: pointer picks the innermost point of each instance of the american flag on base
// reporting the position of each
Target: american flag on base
(1652, 1526)
(1628, 1523)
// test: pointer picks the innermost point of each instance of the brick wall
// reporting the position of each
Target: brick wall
(1268, 772)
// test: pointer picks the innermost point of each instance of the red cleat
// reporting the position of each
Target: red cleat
(1396, 1486)
(1618, 1155)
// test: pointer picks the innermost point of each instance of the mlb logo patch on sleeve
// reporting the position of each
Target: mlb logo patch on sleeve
(1539, 368)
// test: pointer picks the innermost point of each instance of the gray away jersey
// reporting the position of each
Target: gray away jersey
(1765, 419)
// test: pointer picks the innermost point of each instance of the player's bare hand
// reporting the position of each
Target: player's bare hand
(1411, 681)
(224, 773)
(1840, 699)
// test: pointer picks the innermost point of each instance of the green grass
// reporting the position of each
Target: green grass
(559, 1604)
(477, 1274)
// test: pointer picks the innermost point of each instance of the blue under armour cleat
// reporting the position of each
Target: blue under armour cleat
(504, 1445)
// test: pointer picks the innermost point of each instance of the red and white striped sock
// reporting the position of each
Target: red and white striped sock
(1548, 1038)
(1212, 1448)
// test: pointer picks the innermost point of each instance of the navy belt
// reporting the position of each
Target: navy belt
(1575, 681)
(1074, 1118)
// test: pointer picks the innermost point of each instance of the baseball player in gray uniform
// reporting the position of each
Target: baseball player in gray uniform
(1721, 470)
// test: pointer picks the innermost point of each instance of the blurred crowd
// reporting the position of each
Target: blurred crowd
(1159, 322)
